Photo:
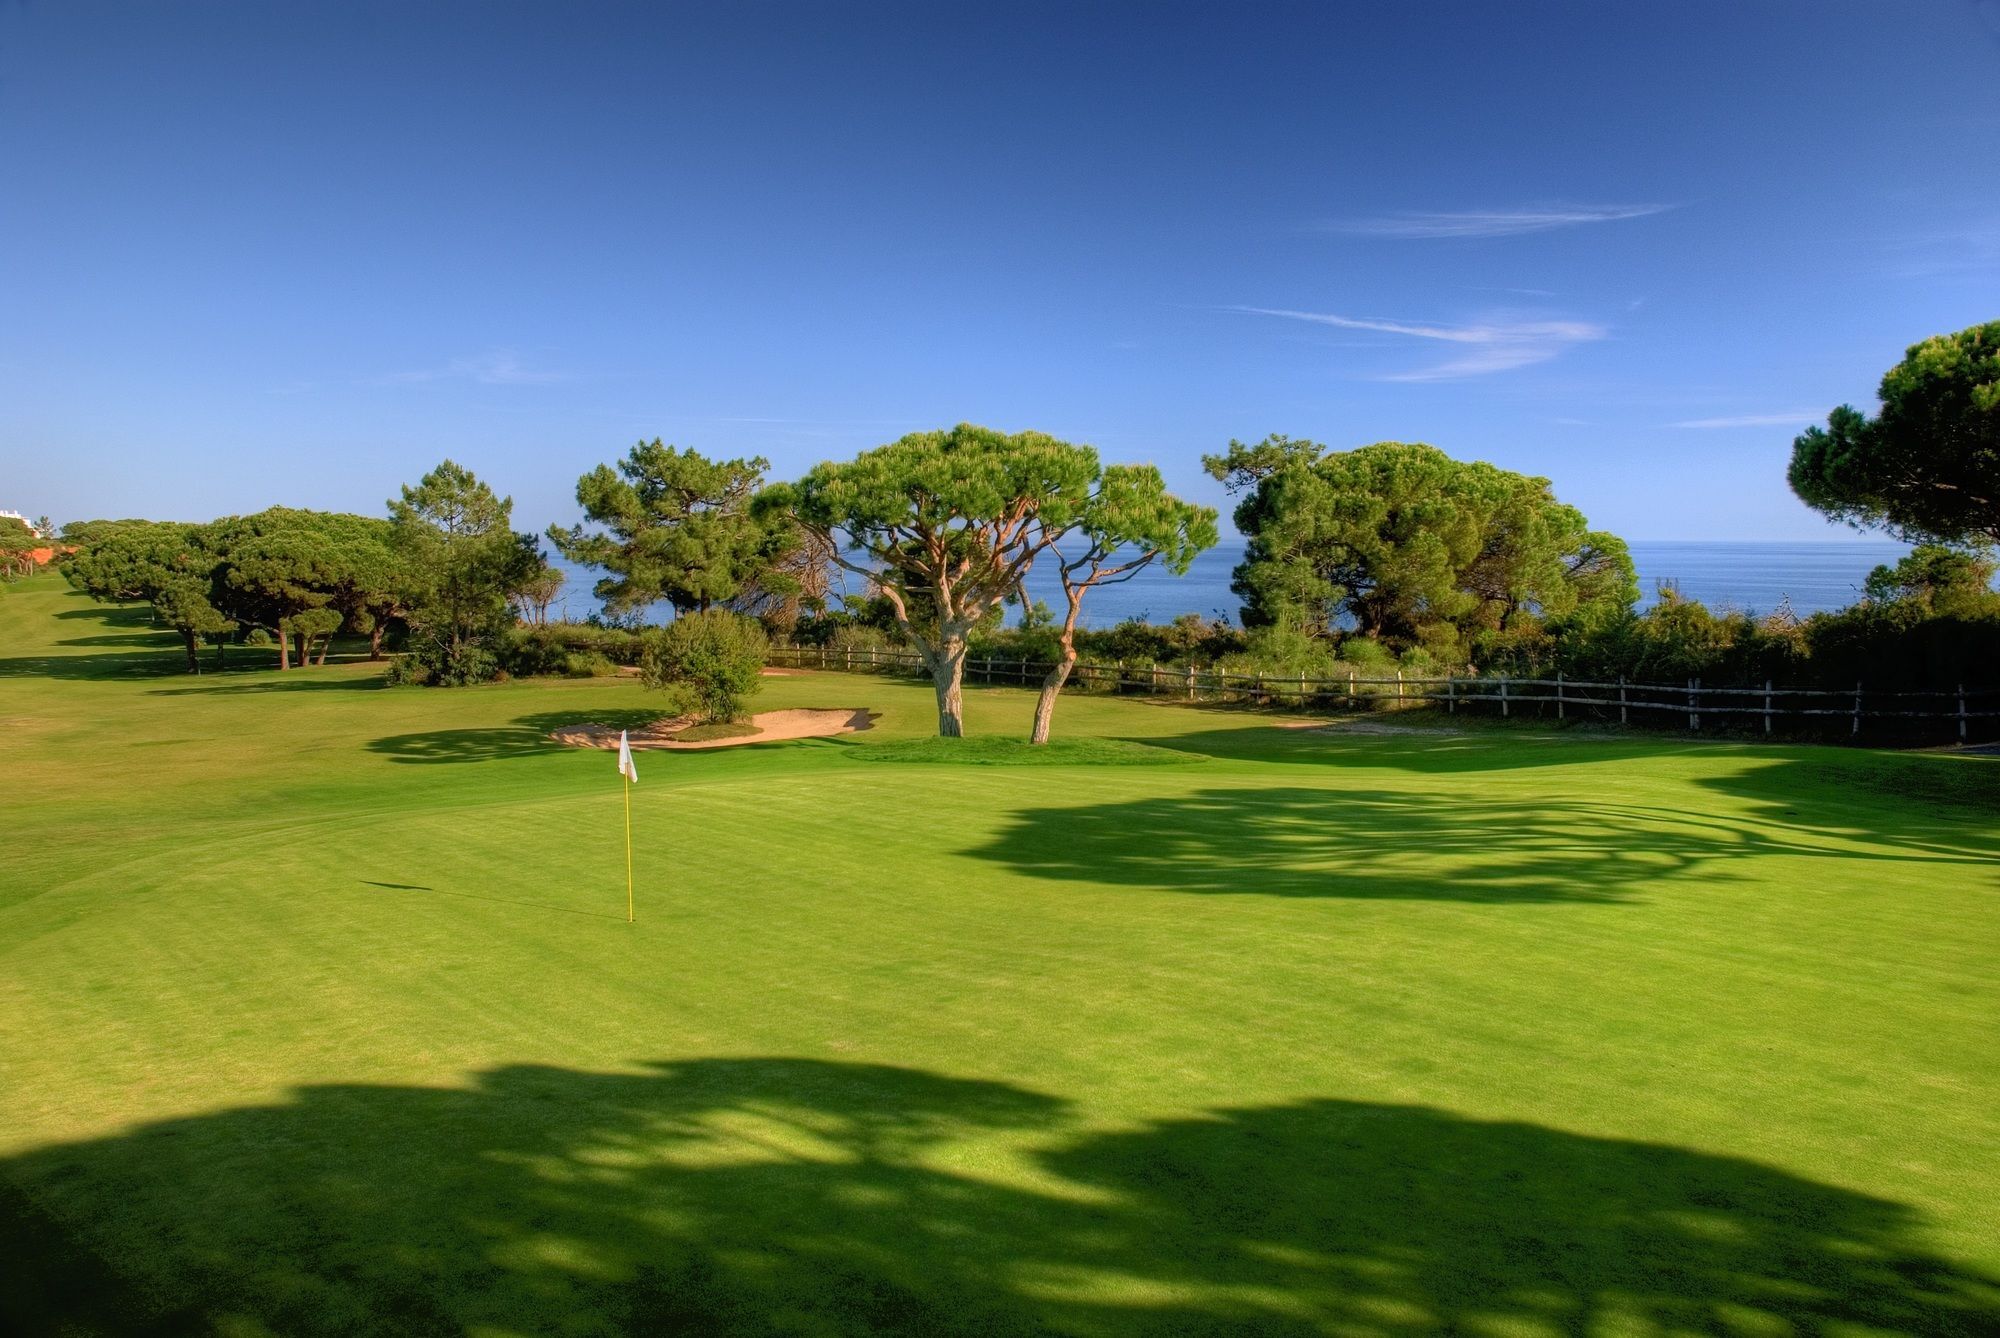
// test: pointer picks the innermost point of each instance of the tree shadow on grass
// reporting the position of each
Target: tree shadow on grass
(259, 679)
(1805, 794)
(1431, 749)
(527, 736)
(755, 1196)
(1347, 842)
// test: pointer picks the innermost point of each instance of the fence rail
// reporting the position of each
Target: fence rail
(1958, 706)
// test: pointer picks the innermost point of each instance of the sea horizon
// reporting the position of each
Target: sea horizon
(1755, 576)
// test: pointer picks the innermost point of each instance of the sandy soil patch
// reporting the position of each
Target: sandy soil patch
(771, 726)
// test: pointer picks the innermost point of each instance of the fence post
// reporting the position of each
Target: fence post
(1451, 695)
(1262, 699)
(1190, 680)
(1961, 713)
(1153, 680)
(1302, 689)
(1399, 685)
(1856, 731)
(1562, 712)
(1694, 712)
(1350, 685)
(1767, 706)
(1503, 697)
(1623, 717)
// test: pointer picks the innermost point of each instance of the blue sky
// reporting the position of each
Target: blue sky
(255, 253)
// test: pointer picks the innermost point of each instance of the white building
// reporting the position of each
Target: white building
(16, 515)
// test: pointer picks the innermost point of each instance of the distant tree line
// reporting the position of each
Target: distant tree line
(1391, 554)
(440, 571)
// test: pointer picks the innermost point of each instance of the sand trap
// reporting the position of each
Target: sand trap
(771, 726)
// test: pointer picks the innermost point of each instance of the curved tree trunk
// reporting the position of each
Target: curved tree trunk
(375, 641)
(1052, 686)
(284, 649)
(194, 661)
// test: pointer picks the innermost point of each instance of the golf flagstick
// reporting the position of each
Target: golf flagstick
(629, 776)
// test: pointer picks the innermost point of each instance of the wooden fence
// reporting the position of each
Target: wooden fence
(1951, 713)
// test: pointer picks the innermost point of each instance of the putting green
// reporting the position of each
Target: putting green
(319, 1014)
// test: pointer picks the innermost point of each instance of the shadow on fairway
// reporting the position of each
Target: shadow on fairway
(528, 735)
(267, 678)
(752, 1196)
(1345, 842)
(1801, 791)
(1429, 749)
(481, 896)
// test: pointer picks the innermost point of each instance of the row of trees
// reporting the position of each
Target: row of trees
(21, 545)
(1396, 547)
(444, 565)
(942, 526)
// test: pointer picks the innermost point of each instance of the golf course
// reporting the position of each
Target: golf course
(320, 1013)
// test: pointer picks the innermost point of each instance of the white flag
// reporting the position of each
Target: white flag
(625, 765)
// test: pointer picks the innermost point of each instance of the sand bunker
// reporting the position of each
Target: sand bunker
(770, 727)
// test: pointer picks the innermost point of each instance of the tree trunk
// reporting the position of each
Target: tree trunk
(1052, 686)
(325, 645)
(194, 661)
(305, 649)
(284, 649)
(375, 641)
(948, 678)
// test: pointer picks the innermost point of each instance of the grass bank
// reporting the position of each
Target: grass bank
(318, 1014)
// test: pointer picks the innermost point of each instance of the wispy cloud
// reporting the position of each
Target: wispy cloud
(1974, 248)
(1494, 222)
(501, 367)
(1799, 418)
(1491, 346)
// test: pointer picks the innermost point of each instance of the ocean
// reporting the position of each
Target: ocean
(1750, 576)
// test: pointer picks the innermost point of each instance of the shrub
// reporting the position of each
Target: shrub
(707, 664)
(589, 664)
(1366, 655)
(856, 636)
(573, 649)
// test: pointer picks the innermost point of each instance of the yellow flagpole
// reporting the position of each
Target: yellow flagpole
(625, 783)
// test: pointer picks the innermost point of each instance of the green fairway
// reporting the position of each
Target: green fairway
(319, 1014)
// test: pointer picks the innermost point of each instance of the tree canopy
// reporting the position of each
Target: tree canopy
(463, 562)
(1129, 522)
(1938, 579)
(945, 524)
(1403, 544)
(173, 567)
(1927, 466)
(675, 526)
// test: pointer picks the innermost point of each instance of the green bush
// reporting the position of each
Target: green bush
(572, 649)
(708, 664)
(1367, 656)
(589, 664)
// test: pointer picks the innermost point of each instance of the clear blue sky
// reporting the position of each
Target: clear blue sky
(259, 253)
